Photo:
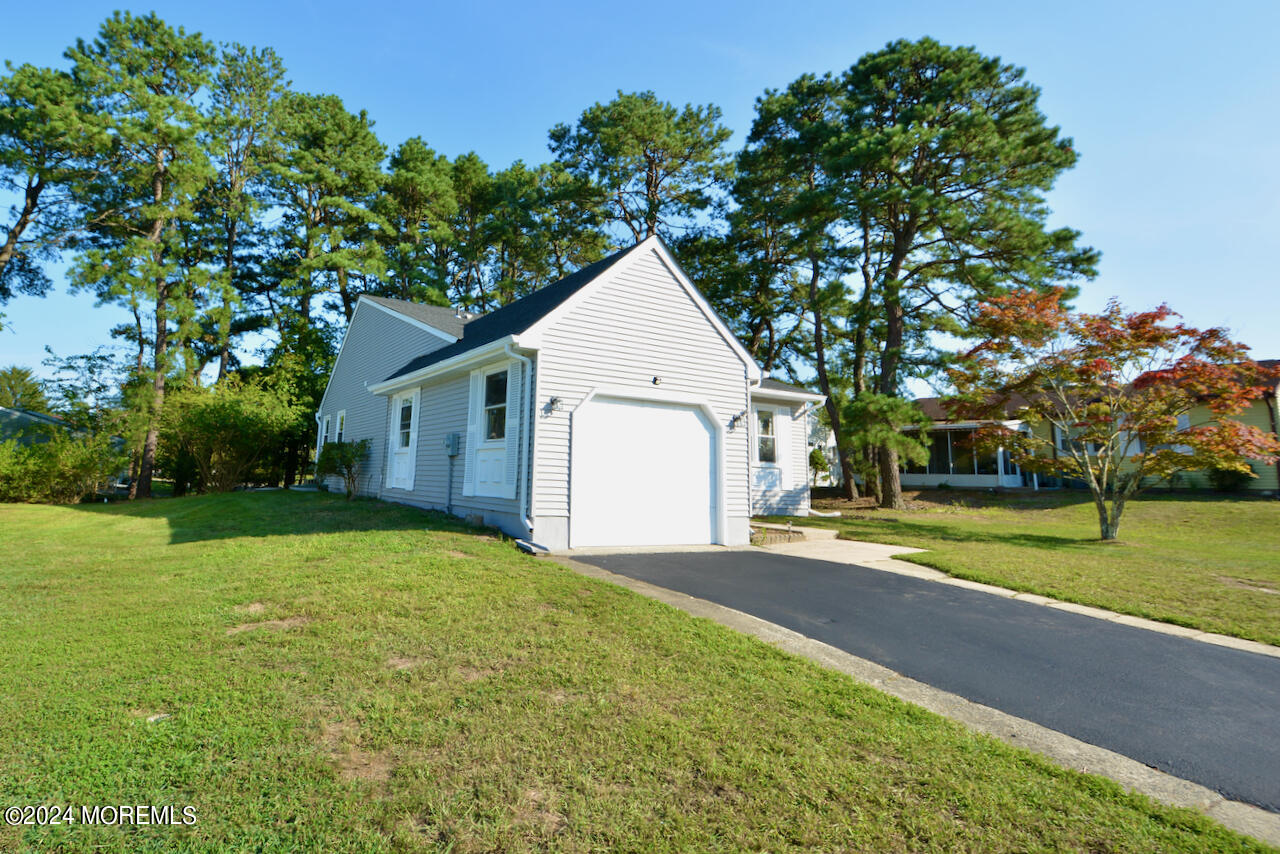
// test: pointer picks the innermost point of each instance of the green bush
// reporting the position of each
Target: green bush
(1229, 480)
(223, 430)
(344, 459)
(63, 470)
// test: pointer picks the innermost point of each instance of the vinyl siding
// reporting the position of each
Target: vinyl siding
(1256, 415)
(790, 497)
(376, 344)
(444, 411)
(638, 325)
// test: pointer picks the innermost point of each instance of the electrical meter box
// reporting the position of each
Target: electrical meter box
(451, 441)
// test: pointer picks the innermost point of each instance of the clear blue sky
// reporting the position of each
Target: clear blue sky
(1174, 107)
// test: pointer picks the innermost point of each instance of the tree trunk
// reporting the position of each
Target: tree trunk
(290, 464)
(30, 199)
(147, 467)
(224, 334)
(847, 485)
(890, 482)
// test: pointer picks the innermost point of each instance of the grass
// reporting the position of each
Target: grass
(365, 677)
(1207, 562)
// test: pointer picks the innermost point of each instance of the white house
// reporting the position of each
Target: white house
(610, 408)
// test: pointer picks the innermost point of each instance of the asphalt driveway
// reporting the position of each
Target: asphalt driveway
(1201, 712)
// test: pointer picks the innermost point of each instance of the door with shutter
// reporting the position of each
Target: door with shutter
(403, 440)
(493, 427)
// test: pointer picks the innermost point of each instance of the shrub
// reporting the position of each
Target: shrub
(62, 470)
(225, 429)
(344, 459)
(1229, 480)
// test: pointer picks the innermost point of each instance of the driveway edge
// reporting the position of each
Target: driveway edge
(829, 549)
(1063, 749)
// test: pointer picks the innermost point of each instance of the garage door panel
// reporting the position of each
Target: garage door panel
(642, 473)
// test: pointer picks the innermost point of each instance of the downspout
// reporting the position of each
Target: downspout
(526, 474)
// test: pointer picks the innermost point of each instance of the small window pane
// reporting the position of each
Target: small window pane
(495, 423)
(406, 422)
(495, 389)
(766, 444)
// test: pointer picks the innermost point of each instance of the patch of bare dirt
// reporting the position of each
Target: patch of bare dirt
(353, 762)
(372, 767)
(537, 810)
(401, 663)
(456, 553)
(475, 674)
(149, 715)
(287, 623)
(251, 608)
(1252, 586)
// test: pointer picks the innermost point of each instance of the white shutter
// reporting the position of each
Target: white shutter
(782, 442)
(512, 462)
(393, 423)
(413, 437)
(472, 438)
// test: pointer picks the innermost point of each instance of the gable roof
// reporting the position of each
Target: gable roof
(770, 384)
(770, 389)
(447, 320)
(934, 409)
(515, 317)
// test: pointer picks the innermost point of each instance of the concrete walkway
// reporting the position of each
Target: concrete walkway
(821, 544)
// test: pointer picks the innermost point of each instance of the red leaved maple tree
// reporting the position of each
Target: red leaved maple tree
(1115, 390)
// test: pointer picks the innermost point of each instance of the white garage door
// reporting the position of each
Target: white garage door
(643, 473)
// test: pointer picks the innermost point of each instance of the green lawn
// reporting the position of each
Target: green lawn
(1209, 562)
(370, 678)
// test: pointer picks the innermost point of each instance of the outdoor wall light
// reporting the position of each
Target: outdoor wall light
(736, 420)
(554, 404)
(657, 380)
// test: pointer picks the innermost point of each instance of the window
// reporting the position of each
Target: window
(1007, 458)
(406, 421)
(766, 439)
(324, 431)
(342, 425)
(940, 453)
(962, 456)
(495, 406)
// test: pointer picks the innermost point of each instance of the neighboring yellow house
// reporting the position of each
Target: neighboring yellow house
(960, 468)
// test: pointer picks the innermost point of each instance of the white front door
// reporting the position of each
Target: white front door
(642, 473)
(403, 440)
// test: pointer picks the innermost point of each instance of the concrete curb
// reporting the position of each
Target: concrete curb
(1062, 749)
(872, 556)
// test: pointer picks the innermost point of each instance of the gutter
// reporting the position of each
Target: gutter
(484, 351)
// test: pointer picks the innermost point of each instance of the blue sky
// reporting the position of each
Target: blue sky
(1173, 107)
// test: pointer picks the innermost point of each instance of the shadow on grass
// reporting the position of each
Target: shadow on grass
(277, 513)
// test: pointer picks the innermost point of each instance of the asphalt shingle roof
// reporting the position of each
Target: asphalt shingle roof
(437, 317)
(770, 384)
(515, 317)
